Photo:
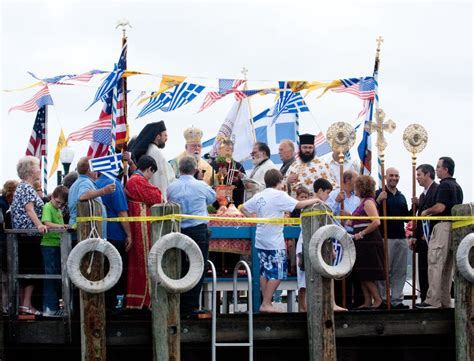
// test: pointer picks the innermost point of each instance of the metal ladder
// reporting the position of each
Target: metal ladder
(248, 344)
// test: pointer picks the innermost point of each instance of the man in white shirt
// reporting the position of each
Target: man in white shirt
(262, 163)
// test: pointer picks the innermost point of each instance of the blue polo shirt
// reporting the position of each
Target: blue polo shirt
(81, 186)
(114, 203)
(193, 196)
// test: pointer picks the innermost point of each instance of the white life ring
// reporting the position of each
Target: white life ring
(462, 257)
(196, 262)
(348, 256)
(75, 259)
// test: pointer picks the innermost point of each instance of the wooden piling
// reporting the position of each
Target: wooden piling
(320, 298)
(92, 306)
(463, 292)
(164, 305)
(2, 334)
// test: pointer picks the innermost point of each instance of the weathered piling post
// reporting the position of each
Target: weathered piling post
(165, 305)
(463, 288)
(2, 335)
(320, 299)
(92, 306)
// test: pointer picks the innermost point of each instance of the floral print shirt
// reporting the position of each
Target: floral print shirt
(24, 194)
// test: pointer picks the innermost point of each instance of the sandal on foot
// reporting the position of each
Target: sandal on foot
(29, 311)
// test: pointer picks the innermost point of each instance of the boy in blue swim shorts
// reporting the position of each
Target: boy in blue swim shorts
(269, 242)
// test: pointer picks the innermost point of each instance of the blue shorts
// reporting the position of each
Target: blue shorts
(273, 263)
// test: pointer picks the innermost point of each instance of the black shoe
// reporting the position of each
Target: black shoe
(399, 306)
(424, 305)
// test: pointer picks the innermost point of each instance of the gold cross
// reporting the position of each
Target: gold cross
(380, 126)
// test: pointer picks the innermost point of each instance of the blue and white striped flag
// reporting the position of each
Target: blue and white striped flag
(426, 230)
(109, 165)
(171, 100)
(112, 79)
(288, 102)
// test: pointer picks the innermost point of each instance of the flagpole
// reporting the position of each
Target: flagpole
(123, 24)
(45, 156)
(244, 72)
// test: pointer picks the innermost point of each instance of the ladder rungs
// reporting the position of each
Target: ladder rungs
(39, 277)
(227, 344)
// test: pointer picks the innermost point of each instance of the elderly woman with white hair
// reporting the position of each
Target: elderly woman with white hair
(26, 212)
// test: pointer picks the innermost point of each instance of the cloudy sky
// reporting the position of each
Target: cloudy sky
(425, 70)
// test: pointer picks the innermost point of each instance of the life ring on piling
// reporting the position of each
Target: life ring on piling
(348, 255)
(190, 248)
(462, 257)
(75, 259)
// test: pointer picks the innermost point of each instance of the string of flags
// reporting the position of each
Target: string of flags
(175, 91)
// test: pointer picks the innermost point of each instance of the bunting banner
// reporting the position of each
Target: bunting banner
(39, 100)
(172, 99)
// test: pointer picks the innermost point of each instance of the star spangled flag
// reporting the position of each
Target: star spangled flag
(86, 132)
(38, 100)
(109, 165)
(226, 86)
(100, 142)
(38, 145)
(172, 99)
(321, 145)
(363, 88)
(85, 77)
(102, 136)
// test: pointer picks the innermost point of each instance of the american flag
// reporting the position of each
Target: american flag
(38, 100)
(38, 144)
(363, 88)
(86, 133)
(321, 145)
(226, 86)
(85, 77)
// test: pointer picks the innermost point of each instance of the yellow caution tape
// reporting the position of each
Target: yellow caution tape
(462, 221)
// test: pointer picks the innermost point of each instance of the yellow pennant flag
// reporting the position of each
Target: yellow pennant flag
(38, 83)
(297, 86)
(61, 144)
(167, 82)
(326, 85)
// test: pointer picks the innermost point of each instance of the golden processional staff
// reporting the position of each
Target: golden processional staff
(341, 136)
(380, 126)
(415, 138)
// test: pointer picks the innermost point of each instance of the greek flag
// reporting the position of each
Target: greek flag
(338, 250)
(112, 80)
(109, 165)
(288, 102)
(173, 99)
(426, 230)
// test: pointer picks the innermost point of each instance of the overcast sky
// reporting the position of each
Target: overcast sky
(425, 71)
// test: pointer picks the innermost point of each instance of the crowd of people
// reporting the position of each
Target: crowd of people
(268, 191)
